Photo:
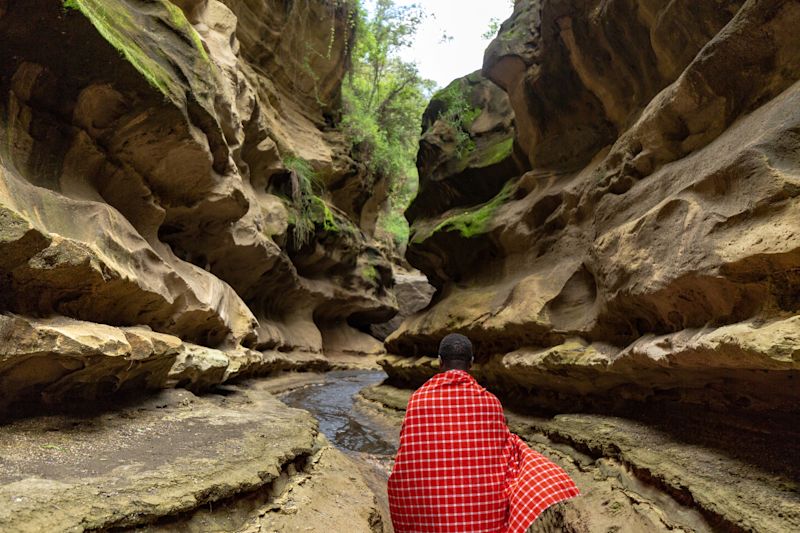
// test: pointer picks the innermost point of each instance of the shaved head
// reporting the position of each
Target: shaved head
(455, 350)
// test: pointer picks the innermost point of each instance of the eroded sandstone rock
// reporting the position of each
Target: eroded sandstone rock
(413, 292)
(466, 150)
(646, 265)
(58, 359)
(176, 461)
(143, 179)
(608, 248)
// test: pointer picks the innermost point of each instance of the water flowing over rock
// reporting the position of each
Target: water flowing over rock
(155, 160)
(643, 259)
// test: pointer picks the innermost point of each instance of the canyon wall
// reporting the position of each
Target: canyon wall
(177, 206)
(635, 250)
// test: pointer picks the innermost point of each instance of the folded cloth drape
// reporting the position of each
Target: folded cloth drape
(460, 470)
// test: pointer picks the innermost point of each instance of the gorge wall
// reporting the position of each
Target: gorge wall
(177, 206)
(614, 221)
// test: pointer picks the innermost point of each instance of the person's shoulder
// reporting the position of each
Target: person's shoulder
(424, 390)
(491, 396)
(492, 399)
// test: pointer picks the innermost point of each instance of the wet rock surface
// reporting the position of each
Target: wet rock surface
(358, 427)
(178, 461)
(333, 404)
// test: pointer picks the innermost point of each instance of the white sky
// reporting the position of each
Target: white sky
(465, 21)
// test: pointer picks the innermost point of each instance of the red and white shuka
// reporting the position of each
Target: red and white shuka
(460, 470)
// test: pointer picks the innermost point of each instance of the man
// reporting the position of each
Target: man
(459, 469)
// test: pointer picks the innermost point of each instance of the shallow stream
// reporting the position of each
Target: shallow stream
(347, 425)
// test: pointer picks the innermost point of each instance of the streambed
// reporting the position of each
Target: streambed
(367, 437)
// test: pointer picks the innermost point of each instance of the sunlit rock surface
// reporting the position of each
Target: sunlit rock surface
(146, 182)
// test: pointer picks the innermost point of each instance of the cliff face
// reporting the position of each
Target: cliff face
(657, 227)
(169, 210)
(647, 263)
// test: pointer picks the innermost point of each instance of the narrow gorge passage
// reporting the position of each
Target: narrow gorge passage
(220, 218)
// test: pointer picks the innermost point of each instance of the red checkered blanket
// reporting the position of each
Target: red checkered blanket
(460, 470)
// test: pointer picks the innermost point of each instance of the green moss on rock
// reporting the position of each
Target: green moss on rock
(493, 153)
(179, 21)
(457, 100)
(324, 215)
(155, 54)
(471, 222)
(370, 273)
(117, 25)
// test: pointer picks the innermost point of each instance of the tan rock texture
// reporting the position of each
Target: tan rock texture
(145, 183)
(458, 169)
(413, 293)
(241, 461)
(662, 203)
(644, 262)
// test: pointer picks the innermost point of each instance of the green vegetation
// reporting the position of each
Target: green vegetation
(491, 31)
(303, 199)
(394, 222)
(474, 221)
(324, 213)
(494, 25)
(383, 100)
(305, 172)
(125, 29)
(492, 154)
(308, 210)
(180, 22)
(459, 113)
(53, 447)
(117, 25)
(370, 273)
(456, 99)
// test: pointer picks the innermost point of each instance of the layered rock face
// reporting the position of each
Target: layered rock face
(413, 293)
(169, 210)
(645, 259)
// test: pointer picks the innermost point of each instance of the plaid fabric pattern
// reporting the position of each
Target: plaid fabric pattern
(460, 470)
(535, 483)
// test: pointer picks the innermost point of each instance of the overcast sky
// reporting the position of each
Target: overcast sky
(463, 20)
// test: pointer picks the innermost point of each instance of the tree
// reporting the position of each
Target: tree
(494, 25)
(383, 101)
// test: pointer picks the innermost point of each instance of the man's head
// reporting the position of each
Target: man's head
(455, 352)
